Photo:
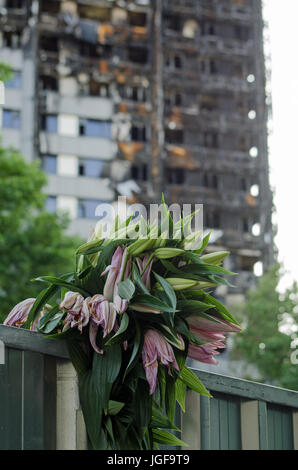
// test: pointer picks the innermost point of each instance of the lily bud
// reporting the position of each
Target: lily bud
(180, 283)
(144, 308)
(166, 253)
(215, 258)
(139, 246)
(203, 285)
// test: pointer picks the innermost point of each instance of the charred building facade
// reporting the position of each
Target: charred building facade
(167, 93)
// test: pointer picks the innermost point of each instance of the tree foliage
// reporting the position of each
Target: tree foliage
(5, 72)
(270, 335)
(32, 241)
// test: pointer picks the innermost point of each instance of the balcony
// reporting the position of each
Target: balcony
(242, 415)
(84, 106)
(96, 147)
(196, 156)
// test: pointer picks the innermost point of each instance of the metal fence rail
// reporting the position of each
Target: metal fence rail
(39, 404)
(241, 415)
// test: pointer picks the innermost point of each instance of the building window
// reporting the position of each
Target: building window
(138, 133)
(49, 83)
(133, 93)
(174, 136)
(139, 172)
(93, 168)
(95, 128)
(87, 208)
(137, 18)
(208, 29)
(49, 123)
(49, 43)
(175, 175)
(99, 89)
(177, 62)
(49, 163)
(139, 55)
(12, 39)
(15, 82)
(11, 119)
(15, 4)
(51, 204)
(245, 226)
(210, 181)
(210, 140)
(212, 220)
(172, 22)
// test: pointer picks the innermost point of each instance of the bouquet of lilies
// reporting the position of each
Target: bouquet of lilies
(131, 313)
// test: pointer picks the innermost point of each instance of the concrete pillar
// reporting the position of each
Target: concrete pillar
(70, 426)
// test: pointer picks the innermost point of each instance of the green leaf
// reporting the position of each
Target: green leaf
(180, 391)
(193, 382)
(170, 398)
(117, 338)
(138, 280)
(189, 307)
(220, 308)
(42, 298)
(53, 323)
(109, 428)
(170, 293)
(204, 244)
(46, 317)
(161, 421)
(201, 268)
(78, 357)
(126, 289)
(60, 282)
(183, 328)
(170, 336)
(114, 407)
(137, 349)
(166, 438)
(142, 405)
(92, 406)
(105, 371)
(90, 247)
(151, 301)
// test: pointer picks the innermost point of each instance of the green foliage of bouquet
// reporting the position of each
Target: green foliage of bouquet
(131, 313)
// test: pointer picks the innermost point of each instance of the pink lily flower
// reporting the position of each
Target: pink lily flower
(208, 336)
(102, 313)
(212, 332)
(203, 353)
(122, 304)
(113, 271)
(156, 348)
(77, 311)
(19, 314)
(213, 324)
(119, 270)
(141, 265)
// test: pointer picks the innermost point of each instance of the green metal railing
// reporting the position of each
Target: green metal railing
(241, 415)
(39, 406)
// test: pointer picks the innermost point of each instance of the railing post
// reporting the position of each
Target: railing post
(263, 425)
(70, 430)
(191, 421)
(205, 423)
(250, 439)
(295, 429)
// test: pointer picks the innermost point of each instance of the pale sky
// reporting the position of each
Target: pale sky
(282, 17)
